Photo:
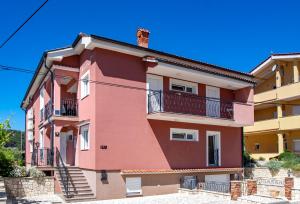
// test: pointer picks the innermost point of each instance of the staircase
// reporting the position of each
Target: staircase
(76, 187)
(3, 197)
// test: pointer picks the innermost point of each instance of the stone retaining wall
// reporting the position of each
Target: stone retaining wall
(28, 186)
(259, 172)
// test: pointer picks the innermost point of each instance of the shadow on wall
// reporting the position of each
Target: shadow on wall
(179, 154)
(125, 67)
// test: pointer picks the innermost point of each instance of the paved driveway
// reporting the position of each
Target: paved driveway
(176, 198)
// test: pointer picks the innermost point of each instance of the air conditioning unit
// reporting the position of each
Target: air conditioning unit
(30, 114)
(30, 135)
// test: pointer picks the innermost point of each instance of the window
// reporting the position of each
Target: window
(133, 186)
(30, 146)
(297, 145)
(257, 147)
(85, 85)
(183, 134)
(183, 86)
(84, 137)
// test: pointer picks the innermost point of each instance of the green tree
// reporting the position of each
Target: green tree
(9, 157)
(5, 133)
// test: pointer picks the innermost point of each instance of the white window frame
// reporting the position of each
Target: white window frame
(42, 98)
(83, 144)
(30, 146)
(186, 84)
(138, 191)
(41, 139)
(294, 141)
(220, 146)
(83, 93)
(195, 134)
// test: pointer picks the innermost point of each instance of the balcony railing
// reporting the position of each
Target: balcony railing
(41, 157)
(69, 107)
(183, 103)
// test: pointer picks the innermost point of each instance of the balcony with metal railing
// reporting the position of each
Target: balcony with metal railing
(191, 108)
(68, 108)
(41, 157)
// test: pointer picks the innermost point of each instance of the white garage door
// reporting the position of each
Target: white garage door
(218, 178)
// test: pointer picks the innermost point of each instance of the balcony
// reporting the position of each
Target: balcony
(286, 92)
(190, 108)
(41, 157)
(263, 126)
(289, 122)
(68, 111)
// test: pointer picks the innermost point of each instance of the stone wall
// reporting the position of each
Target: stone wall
(264, 172)
(28, 186)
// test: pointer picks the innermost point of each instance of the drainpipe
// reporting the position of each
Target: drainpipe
(242, 142)
(52, 108)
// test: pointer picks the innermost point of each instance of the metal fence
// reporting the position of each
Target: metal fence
(214, 186)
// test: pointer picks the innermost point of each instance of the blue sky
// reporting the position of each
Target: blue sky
(233, 33)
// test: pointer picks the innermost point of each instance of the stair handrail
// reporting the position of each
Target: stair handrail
(65, 178)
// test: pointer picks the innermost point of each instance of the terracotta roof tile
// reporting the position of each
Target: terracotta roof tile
(174, 171)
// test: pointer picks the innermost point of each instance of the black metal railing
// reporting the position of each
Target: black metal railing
(41, 157)
(69, 107)
(64, 173)
(184, 103)
(215, 186)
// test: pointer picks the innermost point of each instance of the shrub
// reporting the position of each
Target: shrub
(262, 159)
(274, 166)
(34, 172)
(248, 160)
(6, 162)
(285, 156)
(296, 167)
(18, 171)
(289, 159)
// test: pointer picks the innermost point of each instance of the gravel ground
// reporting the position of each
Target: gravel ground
(45, 199)
(176, 198)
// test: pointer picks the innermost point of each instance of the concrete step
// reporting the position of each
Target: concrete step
(76, 191)
(80, 199)
(79, 189)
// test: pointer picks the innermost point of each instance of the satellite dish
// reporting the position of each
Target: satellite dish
(274, 67)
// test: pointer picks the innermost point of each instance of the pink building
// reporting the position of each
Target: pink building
(110, 119)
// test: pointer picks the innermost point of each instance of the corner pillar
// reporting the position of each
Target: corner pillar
(295, 72)
(288, 186)
(280, 143)
(235, 189)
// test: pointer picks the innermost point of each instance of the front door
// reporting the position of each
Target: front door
(63, 146)
(154, 93)
(213, 148)
(212, 101)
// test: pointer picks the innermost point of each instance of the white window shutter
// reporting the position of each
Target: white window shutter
(133, 185)
(81, 141)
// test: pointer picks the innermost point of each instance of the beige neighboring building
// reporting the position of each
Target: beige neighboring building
(277, 107)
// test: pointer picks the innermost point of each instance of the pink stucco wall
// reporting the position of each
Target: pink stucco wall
(117, 119)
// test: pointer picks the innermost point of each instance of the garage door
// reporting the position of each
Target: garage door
(218, 178)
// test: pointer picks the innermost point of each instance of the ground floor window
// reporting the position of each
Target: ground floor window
(297, 145)
(84, 137)
(133, 186)
(257, 147)
(183, 134)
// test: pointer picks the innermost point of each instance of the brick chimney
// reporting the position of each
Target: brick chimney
(142, 37)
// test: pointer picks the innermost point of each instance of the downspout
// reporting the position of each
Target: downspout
(52, 110)
(242, 142)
